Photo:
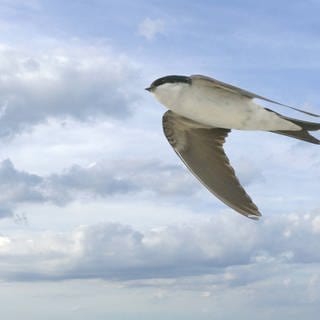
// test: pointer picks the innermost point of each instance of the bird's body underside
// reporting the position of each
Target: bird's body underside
(202, 111)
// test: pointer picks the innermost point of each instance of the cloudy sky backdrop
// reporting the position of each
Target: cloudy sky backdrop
(98, 217)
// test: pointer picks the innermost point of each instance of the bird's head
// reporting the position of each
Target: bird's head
(168, 82)
(167, 89)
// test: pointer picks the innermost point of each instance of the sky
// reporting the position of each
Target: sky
(99, 218)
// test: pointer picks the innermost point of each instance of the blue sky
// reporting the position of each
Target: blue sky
(98, 217)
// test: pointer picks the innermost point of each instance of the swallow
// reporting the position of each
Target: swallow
(202, 112)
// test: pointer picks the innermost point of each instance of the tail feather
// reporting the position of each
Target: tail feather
(302, 134)
(306, 125)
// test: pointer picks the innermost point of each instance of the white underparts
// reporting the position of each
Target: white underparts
(219, 108)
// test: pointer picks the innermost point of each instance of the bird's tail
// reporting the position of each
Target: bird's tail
(302, 134)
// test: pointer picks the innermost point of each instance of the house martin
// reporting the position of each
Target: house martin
(202, 112)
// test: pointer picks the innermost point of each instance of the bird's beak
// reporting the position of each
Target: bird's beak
(148, 89)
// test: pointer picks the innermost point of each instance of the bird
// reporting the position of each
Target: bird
(201, 113)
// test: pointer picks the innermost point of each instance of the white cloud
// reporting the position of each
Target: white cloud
(78, 81)
(232, 252)
(149, 28)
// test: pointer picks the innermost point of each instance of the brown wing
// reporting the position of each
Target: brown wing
(203, 80)
(201, 150)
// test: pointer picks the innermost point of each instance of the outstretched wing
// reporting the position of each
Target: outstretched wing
(201, 150)
(204, 80)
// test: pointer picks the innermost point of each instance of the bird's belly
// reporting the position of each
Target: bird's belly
(227, 110)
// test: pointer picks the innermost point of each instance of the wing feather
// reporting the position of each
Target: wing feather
(204, 80)
(201, 150)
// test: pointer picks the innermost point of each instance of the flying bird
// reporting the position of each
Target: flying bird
(202, 112)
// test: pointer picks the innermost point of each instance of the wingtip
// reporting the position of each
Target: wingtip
(254, 216)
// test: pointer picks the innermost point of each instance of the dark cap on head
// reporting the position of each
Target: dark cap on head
(169, 79)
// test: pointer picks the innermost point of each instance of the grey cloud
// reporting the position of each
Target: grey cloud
(16, 187)
(107, 178)
(111, 177)
(121, 178)
(104, 179)
(231, 252)
(79, 82)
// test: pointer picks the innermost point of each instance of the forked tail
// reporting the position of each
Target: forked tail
(302, 134)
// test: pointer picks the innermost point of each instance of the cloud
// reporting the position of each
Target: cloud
(149, 28)
(77, 81)
(124, 176)
(16, 187)
(108, 177)
(103, 179)
(226, 251)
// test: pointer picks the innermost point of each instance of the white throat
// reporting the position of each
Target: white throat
(169, 94)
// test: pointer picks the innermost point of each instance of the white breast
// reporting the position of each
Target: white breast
(219, 108)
